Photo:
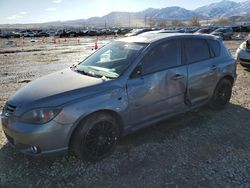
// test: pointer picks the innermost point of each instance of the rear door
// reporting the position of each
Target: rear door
(202, 70)
(160, 89)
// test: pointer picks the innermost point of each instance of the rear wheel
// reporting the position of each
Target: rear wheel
(96, 137)
(221, 95)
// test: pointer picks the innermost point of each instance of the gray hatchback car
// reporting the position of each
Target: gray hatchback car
(124, 86)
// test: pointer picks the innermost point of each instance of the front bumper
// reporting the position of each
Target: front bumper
(50, 139)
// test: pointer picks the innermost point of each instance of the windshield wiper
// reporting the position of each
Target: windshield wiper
(87, 73)
(102, 72)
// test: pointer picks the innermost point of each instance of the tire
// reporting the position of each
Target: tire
(222, 95)
(95, 137)
(245, 66)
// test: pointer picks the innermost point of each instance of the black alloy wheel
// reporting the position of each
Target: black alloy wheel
(95, 137)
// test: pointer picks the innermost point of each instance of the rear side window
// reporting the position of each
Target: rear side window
(196, 50)
(163, 56)
(215, 48)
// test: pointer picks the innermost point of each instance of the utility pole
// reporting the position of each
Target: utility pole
(129, 20)
(145, 21)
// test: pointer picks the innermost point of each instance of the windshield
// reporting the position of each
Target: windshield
(111, 60)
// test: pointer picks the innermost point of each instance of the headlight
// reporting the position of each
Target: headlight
(40, 116)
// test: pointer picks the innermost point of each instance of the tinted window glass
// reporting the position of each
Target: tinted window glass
(165, 55)
(196, 50)
(215, 48)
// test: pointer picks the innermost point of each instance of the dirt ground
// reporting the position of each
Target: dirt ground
(202, 148)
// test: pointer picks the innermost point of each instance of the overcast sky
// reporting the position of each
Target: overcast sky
(38, 11)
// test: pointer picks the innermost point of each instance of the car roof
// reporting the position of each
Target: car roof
(150, 37)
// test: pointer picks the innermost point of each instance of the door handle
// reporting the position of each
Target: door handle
(178, 76)
(213, 67)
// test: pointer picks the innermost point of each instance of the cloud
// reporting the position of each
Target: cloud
(17, 16)
(14, 17)
(50, 9)
(57, 1)
(23, 12)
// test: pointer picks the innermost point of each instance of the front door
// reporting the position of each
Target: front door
(160, 88)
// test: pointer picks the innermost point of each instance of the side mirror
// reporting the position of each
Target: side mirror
(137, 72)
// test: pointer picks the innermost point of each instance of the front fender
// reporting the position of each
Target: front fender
(114, 99)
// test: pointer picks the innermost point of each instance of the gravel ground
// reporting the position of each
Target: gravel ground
(202, 148)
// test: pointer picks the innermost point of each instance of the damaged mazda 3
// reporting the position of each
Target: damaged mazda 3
(124, 86)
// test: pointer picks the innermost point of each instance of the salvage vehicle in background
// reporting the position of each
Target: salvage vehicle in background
(9, 34)
(225, 33)
(27, 33)
(135, 32)
(243, 53)
(205, 30)
(42, 34)
(124, 86)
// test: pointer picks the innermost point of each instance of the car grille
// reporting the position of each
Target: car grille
(8, 109)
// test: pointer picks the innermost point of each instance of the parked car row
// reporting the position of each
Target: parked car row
(222, 32)
(62, 32)
(241, 28)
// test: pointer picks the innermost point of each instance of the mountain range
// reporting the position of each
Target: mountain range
(222, 9)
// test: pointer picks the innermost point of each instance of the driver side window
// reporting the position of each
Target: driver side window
(165, 55)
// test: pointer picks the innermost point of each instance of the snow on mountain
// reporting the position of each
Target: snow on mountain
(174, 13)
(224, 8)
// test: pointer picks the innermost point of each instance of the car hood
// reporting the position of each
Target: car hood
(56, 89)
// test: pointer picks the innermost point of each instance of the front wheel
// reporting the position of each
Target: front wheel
(222, 94)
(96, 137)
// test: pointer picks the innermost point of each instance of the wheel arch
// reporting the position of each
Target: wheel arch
(228, 77)
(84, 117)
